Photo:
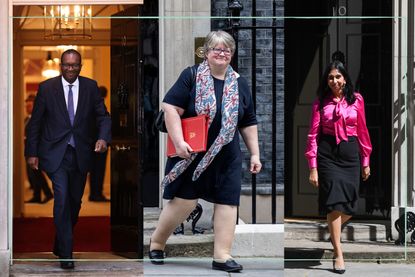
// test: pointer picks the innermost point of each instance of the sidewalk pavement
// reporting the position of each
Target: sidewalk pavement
(366, 259)
(359, 250)
(366, 247)
(361, 240)
(324, 268)
(253, 267)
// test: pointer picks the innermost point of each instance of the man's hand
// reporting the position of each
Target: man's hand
(33, 162)
(101, 146)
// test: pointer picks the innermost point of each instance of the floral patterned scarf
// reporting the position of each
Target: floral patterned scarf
(205, 103)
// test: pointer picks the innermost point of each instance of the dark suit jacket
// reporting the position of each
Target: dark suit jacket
(49, 128)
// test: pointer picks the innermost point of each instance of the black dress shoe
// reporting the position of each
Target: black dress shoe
(67, 264)
(100, 198)
(156, 256)
(228, 266)
(34, 200)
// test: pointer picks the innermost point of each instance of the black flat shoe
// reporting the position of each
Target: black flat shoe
(156, 256)
(228, 266)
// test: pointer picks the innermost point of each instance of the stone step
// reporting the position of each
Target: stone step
(259, 240)
(182, 245)
(250, 239)
(316, 230)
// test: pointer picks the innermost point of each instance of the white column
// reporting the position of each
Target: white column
(403, 113)
(5, 131)
(180, 22)
(411, 105)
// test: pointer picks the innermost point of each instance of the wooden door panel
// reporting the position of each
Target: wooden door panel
(304, 195)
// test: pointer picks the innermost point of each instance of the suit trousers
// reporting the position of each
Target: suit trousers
(68, 187)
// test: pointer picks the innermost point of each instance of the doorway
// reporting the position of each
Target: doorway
(100, 62)
(367, 46)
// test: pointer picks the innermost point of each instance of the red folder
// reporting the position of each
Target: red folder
(195, 133)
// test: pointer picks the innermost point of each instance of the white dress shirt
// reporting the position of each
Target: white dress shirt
(75, 92)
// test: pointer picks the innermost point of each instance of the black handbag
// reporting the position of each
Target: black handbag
(159, 122)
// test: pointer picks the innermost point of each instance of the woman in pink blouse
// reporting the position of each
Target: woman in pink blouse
(338, 151)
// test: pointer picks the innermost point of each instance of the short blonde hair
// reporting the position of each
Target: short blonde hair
(216, 37)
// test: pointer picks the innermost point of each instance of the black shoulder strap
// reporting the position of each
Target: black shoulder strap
(193, 70)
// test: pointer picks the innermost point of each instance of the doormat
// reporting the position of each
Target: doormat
(91, 234)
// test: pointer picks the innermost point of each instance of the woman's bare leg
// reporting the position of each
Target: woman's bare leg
(224, 222)
(335, 220)
(345, 218)
(174, 212)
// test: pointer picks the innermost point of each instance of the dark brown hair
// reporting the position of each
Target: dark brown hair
(324, 89)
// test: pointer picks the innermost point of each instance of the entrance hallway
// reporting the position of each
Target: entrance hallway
(88, 208)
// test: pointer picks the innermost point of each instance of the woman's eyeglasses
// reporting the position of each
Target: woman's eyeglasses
(217, 51)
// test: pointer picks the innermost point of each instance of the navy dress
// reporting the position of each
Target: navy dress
(221, 181)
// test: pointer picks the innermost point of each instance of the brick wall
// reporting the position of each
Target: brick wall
(263, 84)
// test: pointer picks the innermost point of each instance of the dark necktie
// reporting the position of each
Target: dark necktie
(71, 112)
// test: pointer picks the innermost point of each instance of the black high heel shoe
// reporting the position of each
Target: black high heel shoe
(156, 256)
(336, 269)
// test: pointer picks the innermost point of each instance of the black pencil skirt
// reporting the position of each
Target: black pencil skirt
(339, 175)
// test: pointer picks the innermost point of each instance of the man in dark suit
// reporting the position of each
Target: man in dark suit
(61, 141)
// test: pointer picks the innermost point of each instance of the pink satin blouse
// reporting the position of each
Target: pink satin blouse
(339, 120)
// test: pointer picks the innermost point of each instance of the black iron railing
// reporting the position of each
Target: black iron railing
(234, 26)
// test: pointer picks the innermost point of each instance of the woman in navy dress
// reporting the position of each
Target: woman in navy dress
(217, 91)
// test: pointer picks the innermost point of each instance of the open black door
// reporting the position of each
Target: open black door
(127, 118)
(366, 44)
